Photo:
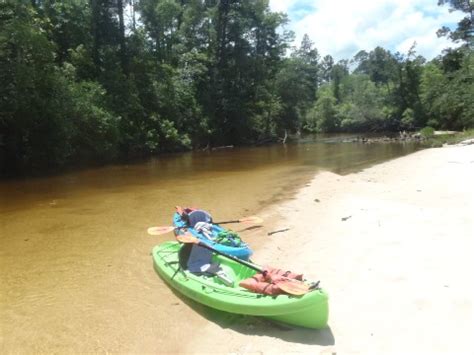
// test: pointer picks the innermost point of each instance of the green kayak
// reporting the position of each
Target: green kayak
(309, 310)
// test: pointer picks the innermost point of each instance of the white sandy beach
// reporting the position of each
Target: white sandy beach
(398, 268)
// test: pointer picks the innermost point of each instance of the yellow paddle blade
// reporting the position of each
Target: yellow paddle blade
(187, 238)
(160, 230)
(295, 287)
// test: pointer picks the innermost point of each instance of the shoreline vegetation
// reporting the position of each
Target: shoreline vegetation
(434, 139)
(92, 81)
(428, 137)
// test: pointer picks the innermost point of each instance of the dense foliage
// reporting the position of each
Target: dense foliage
(93, 80)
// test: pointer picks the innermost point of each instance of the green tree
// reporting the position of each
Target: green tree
(323, 115)
(447, 97)
(338, 73)
(47, 117)
(34, 133)
(465, 28)
(326, 68)
(363, 107)
(297, 83)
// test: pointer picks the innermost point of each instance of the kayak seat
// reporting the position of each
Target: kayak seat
(198, 216)
(198, 260)
(183, 255)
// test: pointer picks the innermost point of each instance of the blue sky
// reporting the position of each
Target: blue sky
(342, 28)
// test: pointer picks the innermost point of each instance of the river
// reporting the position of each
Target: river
(76, 271)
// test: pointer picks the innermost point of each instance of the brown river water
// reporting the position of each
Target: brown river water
(76, 272)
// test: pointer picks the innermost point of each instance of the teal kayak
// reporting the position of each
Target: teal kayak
(309, 310)
(241, 251)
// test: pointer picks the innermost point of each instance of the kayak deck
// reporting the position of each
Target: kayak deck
(309, 310)
(242, 252)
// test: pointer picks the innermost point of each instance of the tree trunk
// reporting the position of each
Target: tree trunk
(223, 18)
(123, 49)
(132, 4)
(95, 33)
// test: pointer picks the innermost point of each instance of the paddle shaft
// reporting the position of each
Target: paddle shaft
(240, 261)
(288, 286)
(227, 222)
(250, 219)
(166, 229)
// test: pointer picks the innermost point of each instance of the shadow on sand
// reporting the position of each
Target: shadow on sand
(260, 326)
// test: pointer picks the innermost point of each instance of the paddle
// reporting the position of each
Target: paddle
(290, 286)
(166, 229)
(250, 219)
(161, 230)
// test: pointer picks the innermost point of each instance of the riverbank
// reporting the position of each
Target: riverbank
(393, 247)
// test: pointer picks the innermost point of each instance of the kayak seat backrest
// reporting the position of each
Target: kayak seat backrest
(198, 260)
(194, 258)
(183, 255)
(198, 216)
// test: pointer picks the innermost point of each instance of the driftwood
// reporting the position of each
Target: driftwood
(209, 148)
(223, 147)
(283, 140)
(278, 231)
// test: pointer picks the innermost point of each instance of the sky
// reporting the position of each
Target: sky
(342, 28)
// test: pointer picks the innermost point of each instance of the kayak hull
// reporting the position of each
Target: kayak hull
(243, 252)
(309, 310)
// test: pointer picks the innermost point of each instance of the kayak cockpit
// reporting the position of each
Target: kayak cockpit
(308, 310)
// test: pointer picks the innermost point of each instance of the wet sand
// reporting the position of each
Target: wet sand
(393, 247)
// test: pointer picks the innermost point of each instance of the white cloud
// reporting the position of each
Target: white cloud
(281, 5)
(342, 28)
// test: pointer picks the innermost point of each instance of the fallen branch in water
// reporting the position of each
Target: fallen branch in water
(223, 147)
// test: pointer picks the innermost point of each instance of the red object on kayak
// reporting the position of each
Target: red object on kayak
(267, 282)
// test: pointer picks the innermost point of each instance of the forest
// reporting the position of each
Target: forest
(93, 81)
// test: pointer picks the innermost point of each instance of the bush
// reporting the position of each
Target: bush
(427, 132)
(408, 119)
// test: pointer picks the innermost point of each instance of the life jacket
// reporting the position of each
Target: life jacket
(192, 216)
(267, 283)
(267, 288)
(183, 213)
